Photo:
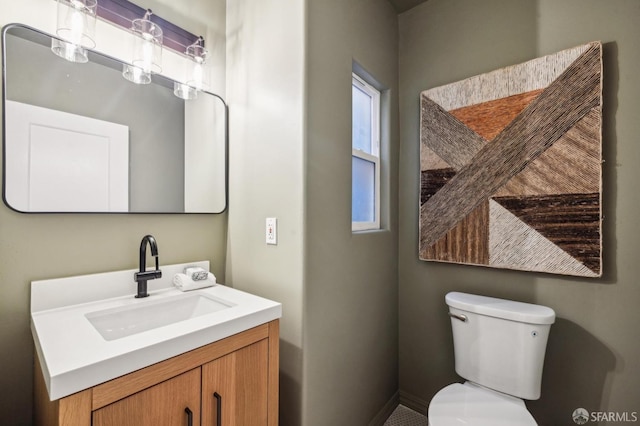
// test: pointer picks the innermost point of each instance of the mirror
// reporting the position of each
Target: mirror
(81, 138)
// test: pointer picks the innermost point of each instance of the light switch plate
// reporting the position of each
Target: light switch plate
(272, 230)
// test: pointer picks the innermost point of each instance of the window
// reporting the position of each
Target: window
(365, 160)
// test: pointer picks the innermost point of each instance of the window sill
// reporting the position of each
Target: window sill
(368, 231)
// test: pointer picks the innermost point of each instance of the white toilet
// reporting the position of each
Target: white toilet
(499, 348)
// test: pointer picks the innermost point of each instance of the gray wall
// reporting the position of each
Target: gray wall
(593, 356)
(265, 87)
(351, 326)
(289, 68)
(34, 247)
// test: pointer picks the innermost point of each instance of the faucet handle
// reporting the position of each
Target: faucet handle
(147, 275)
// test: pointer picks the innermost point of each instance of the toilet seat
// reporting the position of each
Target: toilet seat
(472, 405)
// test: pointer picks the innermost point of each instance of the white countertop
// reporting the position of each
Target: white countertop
(73, 354)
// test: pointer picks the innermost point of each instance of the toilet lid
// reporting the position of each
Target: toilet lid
(472, 405)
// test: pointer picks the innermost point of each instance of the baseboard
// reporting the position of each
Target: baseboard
(414, 402)
(386, 411)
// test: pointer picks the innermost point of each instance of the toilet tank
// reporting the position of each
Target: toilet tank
(500, 344)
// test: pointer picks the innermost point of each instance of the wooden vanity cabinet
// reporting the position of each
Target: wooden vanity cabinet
(232, 382)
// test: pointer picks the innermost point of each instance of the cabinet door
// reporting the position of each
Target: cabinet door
(234, 388)
(167, 404)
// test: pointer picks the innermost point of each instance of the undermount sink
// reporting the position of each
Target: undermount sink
(119, 322)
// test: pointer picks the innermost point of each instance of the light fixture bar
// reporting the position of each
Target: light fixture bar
(123, 12)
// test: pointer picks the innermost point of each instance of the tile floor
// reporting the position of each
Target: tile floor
(403, 416)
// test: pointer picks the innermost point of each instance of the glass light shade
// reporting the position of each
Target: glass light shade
(197, 70)
(147, 45)
(69, 51)
(76, 26)
(184, 91)
(135, 74)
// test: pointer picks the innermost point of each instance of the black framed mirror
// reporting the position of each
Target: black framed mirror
(78, 137)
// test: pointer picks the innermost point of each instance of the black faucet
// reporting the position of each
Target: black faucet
(143, 276)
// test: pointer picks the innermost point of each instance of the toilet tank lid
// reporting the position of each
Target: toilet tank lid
(501, 308)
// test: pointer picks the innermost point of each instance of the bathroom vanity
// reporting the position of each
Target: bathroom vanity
(207, 357)
(230, 382)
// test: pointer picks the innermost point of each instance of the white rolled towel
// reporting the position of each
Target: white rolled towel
(186, 283)
(196, 273)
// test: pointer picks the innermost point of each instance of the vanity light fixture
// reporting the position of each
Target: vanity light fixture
(147, 50)
(196, 72)
(76, 26)
(76, 23)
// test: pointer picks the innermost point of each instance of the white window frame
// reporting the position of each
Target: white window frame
(374, 157)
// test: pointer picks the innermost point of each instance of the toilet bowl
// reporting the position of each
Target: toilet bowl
(469, 404)
(499, 347)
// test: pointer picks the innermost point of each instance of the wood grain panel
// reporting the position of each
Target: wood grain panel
(570, 221)
(274, 373)
(467, 242)
(571, 166)
(161, 404)
(490, 118)
(432, 181)
(515, 245)
(429, 160)
(240, 381)
(450, 139)
(73, 409)
(541, 124)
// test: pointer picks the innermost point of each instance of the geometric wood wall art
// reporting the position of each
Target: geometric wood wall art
(511, 167)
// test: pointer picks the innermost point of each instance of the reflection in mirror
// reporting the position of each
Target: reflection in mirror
(80, 138)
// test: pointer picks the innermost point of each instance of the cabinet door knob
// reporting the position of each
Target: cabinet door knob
(189, 416)
(218, 398)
